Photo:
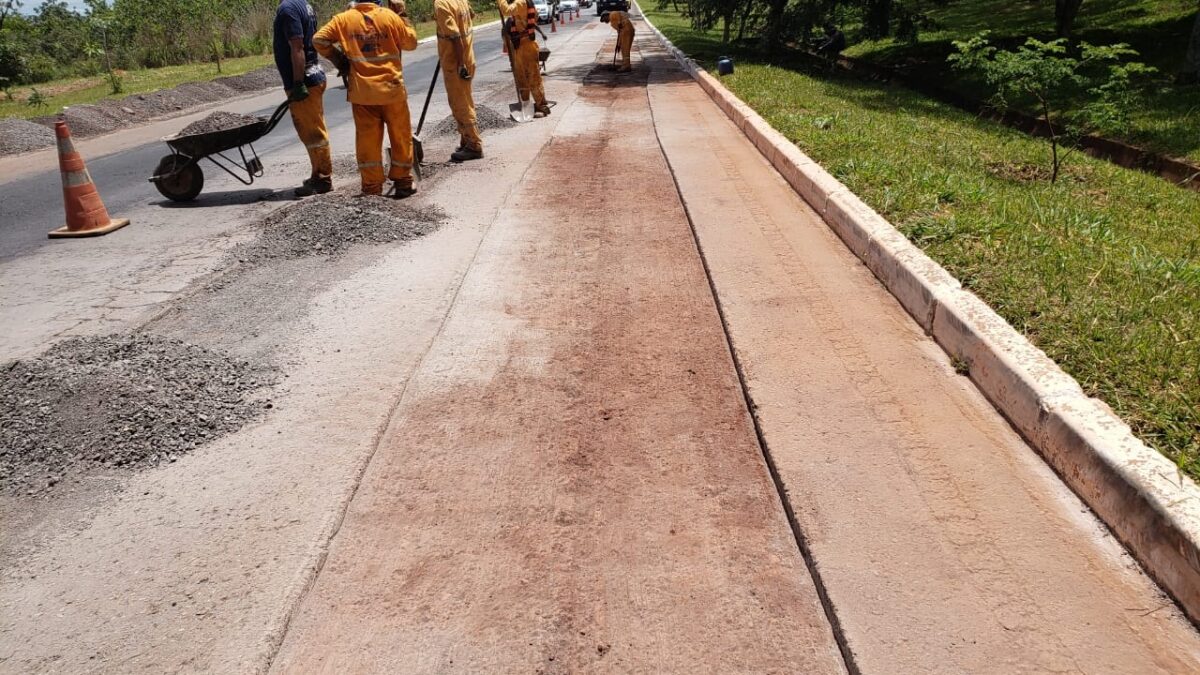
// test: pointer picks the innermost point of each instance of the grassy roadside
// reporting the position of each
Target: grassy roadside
(77, 91)
(1102, 270)
(1168, 119)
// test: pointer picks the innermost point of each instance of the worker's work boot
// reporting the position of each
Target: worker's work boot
(314, 186)
(402, 189)
(465, 154)
(541, 111)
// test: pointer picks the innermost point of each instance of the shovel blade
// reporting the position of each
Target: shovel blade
(519, 112)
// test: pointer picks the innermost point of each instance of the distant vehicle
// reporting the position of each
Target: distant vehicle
(543, 10)
(585, 3)
(603, 6)
(568, 5)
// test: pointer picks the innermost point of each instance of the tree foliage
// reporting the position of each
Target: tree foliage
(1074, 92)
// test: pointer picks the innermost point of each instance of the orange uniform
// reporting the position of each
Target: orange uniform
(526, 64)
(372, 39)
(621, 23)
(453, 19)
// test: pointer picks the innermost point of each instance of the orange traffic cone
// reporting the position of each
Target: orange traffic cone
(553, 25)
(571, 17)
(86, 215)
(562, 19)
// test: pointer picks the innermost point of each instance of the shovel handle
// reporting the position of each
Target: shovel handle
(437, 68)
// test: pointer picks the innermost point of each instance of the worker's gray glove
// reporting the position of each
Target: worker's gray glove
(463, 73)
(298, 93)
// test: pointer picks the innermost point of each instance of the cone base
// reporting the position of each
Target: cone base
(64, 233)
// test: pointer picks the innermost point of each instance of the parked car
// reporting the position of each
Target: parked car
(568, 5)
(543, 10)
(585, 3)
(603, 6)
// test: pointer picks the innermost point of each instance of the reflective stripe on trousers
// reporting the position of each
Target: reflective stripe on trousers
(370, 122)
(308, 116)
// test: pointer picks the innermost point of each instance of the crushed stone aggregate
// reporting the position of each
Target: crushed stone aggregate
(118, 401)
(329, 224)
(219, 120)
(485, 118)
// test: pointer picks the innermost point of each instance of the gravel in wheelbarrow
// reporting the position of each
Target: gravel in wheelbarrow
(218, 132)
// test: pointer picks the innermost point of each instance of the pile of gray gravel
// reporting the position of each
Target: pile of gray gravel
(217, 121)
(118, 401)
(18, 135)
(329, 224)
(485, 118)
(112, 114)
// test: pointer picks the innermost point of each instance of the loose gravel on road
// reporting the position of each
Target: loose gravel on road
(118, 401)
(112, 114)
(485, 118)
(329, 224)
(217, 121)
(17, 135)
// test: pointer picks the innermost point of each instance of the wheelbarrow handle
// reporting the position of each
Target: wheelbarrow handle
(276, 116)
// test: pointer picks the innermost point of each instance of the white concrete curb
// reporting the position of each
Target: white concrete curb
(1152, 508)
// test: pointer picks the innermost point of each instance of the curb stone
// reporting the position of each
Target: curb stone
(1151, 507)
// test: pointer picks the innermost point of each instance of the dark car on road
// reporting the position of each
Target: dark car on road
(603, 6)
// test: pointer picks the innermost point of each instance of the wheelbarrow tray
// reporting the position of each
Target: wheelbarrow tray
(208, 143)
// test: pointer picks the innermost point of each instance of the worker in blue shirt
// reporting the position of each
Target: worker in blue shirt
(304, 81)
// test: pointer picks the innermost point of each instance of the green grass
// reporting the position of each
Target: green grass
(77, 91)
(80, 90)
(1169, 119)
(1102, 270)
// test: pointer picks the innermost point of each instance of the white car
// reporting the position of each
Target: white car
(543, 10)
(568, 5)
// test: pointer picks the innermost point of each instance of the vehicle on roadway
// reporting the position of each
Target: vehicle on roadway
(603, 6)
(568, 5)
(543, 10)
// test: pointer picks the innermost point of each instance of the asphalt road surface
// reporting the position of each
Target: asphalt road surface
(28, 203)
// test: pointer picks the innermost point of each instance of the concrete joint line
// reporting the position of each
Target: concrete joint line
(831, 615)
(1140, 495)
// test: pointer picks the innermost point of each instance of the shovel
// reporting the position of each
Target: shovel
(521, 111)
(418, 146)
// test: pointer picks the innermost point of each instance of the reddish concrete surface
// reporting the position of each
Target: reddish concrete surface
(572, 481)
(943, 541)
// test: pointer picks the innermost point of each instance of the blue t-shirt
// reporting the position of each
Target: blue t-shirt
(296, 18)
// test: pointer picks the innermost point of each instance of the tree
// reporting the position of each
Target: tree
(1094, 91)
(1065, 12)
(1193, 51)
(8, 8)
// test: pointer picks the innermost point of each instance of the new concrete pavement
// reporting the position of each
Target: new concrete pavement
(633, 408)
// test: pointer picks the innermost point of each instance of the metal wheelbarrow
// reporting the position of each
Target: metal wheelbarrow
(178, 176)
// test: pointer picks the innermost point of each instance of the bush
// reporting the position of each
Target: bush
(14, 67)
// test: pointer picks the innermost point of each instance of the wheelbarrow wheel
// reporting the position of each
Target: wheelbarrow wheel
(182, 179)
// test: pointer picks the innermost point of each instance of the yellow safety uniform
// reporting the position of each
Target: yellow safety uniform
(372, 39)
(621, 23)
(526, 66)
(453, 19)
(308, 116)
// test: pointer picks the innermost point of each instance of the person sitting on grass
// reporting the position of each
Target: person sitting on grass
(835, 42)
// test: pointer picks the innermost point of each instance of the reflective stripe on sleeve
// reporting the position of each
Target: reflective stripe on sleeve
(375, 59)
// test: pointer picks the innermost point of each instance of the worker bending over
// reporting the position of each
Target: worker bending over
(372, 38)
(621, 23)
(304, 81)
(456, 53)
(522, 27)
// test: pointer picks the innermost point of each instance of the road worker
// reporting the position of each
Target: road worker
(372, 37)
(304, 81)
(522, 27)
(621, 23)
(456, 53)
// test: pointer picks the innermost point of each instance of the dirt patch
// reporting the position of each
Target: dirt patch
(331, 223)
(1028, 172)
(485, 118)
(217, 121)
(17, 135)
(118, 402)
(112, 114)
